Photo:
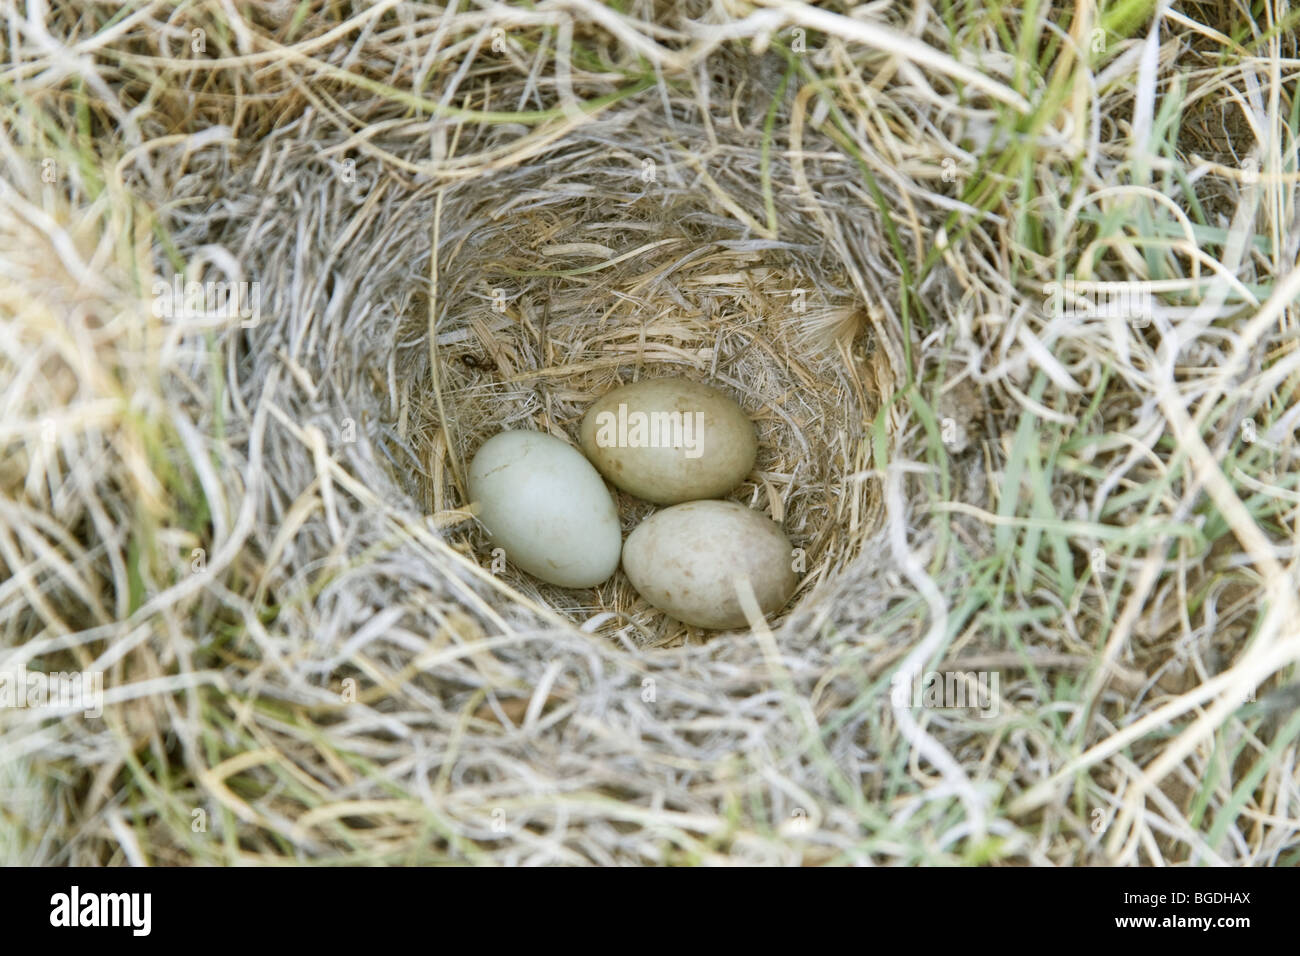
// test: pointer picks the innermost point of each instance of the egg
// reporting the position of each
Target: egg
(682, 561)
(544, 503)
(669, 440)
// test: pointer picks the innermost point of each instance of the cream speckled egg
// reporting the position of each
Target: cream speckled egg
(682, 561)
(670, 439)
(547, 507)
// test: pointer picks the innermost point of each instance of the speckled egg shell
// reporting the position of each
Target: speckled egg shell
(682, 560)
(669, 440)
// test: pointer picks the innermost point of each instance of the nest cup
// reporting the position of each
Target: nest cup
(588, 270)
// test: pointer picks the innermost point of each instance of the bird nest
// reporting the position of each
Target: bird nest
(588, 269)
(254, 527)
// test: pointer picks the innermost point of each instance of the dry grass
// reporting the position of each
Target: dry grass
(460, 220)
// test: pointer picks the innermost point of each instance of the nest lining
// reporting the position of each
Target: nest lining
(534, 325)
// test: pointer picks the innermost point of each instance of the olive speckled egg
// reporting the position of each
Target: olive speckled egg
(682, 561)
(670, 439)
(547, 507)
